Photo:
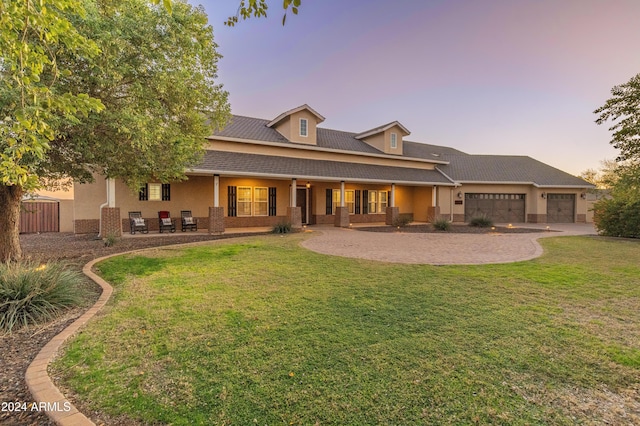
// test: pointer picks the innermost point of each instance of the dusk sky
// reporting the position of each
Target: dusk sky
(517, 77)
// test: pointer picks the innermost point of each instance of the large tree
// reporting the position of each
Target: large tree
(620, 214)
(32, 33)
(155, 74)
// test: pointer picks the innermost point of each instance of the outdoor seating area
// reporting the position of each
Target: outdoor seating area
(142, 225)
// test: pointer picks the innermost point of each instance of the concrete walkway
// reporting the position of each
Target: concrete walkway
(438, 248)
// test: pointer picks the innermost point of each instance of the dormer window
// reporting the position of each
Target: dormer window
(303, 127)
(394, 141)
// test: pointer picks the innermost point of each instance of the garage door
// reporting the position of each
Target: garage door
(501, 208)
(561, 208)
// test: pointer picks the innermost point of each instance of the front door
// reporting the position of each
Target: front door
(302, 201)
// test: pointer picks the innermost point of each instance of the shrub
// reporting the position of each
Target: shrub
(441, 224)
(617, 218)
(402, 220)
(481, 222)
(110, 240)
(31, 293)
(282, 228)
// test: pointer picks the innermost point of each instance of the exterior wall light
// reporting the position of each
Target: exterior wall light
(308, 185)
(583, 195)
(543, 195)
(459, 194)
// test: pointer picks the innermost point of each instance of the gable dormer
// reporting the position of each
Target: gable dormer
(387, 138)
(298, 125)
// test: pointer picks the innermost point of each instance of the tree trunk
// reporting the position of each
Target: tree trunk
(10, 199)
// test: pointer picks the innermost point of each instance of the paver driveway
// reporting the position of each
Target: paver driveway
(436, 248)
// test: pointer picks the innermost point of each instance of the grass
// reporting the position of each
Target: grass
(261, 331)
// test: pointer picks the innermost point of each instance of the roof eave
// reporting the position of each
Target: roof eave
(314, 178)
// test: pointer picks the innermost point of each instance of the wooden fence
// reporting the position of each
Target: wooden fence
(39, 216)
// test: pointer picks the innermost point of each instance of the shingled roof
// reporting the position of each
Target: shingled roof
(462, 167)
(507, 169)
(240, 164)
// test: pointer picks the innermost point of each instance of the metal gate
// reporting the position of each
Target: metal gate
(561, 208)
(38, 216)
(501, 208)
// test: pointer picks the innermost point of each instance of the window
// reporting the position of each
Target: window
(261, 201)
(155, 192)
(303, 127)
(394, 140)
(349, 200)
(373, 201)
(378, 201)
(241, 203)
(244, 201)
(383, 201)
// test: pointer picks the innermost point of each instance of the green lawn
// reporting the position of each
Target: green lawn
(261, 331)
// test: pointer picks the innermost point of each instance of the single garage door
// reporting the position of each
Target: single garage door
(501, 208)
(561, 208)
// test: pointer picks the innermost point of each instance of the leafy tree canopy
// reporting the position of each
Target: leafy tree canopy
(623, 109)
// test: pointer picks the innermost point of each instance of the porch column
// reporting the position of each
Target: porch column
(216, 213)
(341, 219)
(392, 201)
(110, 221)
(393, 212)
(294, 213)
(216, 190)
(433, 212)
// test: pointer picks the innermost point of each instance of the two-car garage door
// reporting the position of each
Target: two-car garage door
(501, 208)
(510, 208)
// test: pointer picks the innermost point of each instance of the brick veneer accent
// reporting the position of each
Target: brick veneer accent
(250, 221)
(216, 220)
(457, 217)
(295, 217)
(392, 214)
(433, 213)
(86, 226)
(536, 218)
(341, 217)
(111, 223)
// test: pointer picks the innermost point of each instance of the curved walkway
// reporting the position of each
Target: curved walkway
(438, 248)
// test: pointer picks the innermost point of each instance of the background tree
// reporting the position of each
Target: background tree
(620, 214)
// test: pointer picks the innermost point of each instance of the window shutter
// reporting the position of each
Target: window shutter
(143, 195)
(329, 209)
(356, 195)
(272, 201)
(232, 201)
(365, 201)
(166, 192)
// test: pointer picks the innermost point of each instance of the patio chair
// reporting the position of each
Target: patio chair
(188, 221)
(137, 223)
(165, 222)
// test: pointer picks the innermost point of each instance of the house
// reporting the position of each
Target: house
(259, 172)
